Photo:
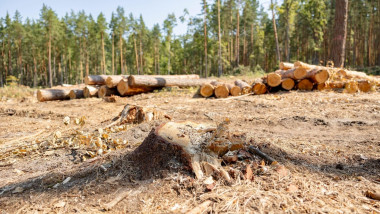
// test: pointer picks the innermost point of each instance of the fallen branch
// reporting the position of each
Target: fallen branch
(372, 195)
(120, 196)
(256, 151)
(200, 208)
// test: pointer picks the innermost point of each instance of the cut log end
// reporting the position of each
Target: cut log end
(351, 87)
(259, 88)
(90, 91)
(300, 73)
(207, 90)
(286, 66)
(76, 94)
(244, 87)
(105, 91)
(364, 85)
(305, 85)
(322, 76)
(273, 79)
(221, 91)
(235, 91)
(287, 84)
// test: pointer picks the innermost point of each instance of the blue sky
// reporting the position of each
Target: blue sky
(153, 11)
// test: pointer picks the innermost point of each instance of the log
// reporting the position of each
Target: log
(351, 87)
(259, 87)
(245, 87)
(76, 94)
(125, 89)
(53, 94)
(105, 91)
(207, 89)
(235, 90)
(364, 85)
(159, 82)
(287, 84)
(90, 91)
(305, 85)
(295, 73)
(318, 75)
(183, 143)
(97, 79)
(330, 85)
(300, 64)
(273, 79)
(286, 66)
(221, 90)
(112, 81)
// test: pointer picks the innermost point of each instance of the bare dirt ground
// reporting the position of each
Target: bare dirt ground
(329, 142)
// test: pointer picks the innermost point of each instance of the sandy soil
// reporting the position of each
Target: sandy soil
(329, 143)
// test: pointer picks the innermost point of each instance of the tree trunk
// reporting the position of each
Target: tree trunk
(121, 54)
(287, 84)
(305, 85)
(53, 94)
(112, 81)
(237, 35)
(318, 75)
(97, 79)
(340, 32)
(105, 91)
(259, 87)
(113, 54)
(103, 55)
(205, 35)
(163, 81)
(141, 58)
(49, 55)
(275, 33)
(207, 90)
(244, 87)
(294, 73)
(273, 79)
(76, 94)
(136, 54)
(125, 89)
(90, 91)
(220, 71)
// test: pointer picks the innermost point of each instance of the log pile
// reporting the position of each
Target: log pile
(296, 76)
(103, 86)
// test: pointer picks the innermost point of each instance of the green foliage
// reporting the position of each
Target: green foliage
(130, 47)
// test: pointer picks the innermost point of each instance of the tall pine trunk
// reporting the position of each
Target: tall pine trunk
(220, 71)
(136, 55)
(275, 33)
(103, 56)
(205, 35)
(121, 54)
(339, 33)
(237, 35)
(113, 54)
(49, 66)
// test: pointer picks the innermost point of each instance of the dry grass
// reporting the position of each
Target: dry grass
(16, 92)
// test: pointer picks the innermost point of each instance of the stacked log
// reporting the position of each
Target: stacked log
(245, 88)
(53, 94)
(90, 91)
(76, 94)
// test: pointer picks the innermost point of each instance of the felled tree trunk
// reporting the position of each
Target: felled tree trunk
(305, 85)
(364, 85)
(76, 94)
(90, 91)
(184, 146)
(300, 64)
(259, 87)
(158, 82)
(125, 89)
(221, 90)
(112, 81)
(286, 66)
(294, 73)
(245, 88)
(273, 79)
(235, 90)
(105, 91)
(207, 90)
(53, 94)
(287, 84)
(318, 75)
(97, 79)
